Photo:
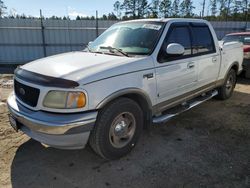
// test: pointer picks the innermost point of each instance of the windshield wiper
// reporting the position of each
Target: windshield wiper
(111, 49)
(87, 46)
(91, 51)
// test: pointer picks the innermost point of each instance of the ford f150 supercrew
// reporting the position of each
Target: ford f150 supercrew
(136, 74)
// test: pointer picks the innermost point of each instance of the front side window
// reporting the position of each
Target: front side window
(133, 38)
(176, 34)
(203, 42)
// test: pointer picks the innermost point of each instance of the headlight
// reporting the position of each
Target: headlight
(64, 99)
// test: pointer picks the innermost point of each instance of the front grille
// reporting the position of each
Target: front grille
(26, 94)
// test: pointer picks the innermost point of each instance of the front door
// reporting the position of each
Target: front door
(176, 75)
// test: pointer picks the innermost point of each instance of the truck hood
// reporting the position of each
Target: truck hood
(84, 67)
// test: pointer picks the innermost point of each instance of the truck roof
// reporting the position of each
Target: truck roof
(168, 19)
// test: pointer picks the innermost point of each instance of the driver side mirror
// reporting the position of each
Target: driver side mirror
(175, 49)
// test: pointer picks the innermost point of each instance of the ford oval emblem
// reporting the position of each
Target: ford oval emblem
(22, 91)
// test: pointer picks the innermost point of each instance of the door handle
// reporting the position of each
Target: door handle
(190, 65)
(148, 76)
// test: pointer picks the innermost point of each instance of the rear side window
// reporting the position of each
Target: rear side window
(176, 34)
(203, 42)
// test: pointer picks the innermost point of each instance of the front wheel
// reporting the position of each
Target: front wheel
(117, 129)
(226, 90)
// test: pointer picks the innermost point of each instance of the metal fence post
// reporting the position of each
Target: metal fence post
(43, 36)
(96, 24)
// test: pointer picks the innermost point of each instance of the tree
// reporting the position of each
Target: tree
(22, 16)
(165, 8)
(175, 8)
(54, 18)
(135, 8)
(142, 8)
(117, 9)
(213, 7)
(237, 6)
(130, 7)
(112, 16)
(203, 8)
(187, 8)
(155, 8)
(104, 17)
(2, 8)
(222, 7)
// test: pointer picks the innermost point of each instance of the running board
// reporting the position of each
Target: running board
(184, 107)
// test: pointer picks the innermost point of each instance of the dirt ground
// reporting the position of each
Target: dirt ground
(208, 146)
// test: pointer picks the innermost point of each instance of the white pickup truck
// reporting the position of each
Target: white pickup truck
(135, 74)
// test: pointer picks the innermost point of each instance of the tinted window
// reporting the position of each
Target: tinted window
(176, 34)
(245, 39)
(203, 42)
(232, 38)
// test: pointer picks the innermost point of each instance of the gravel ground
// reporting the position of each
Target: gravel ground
(208, 146)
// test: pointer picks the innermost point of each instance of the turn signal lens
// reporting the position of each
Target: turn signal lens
(81, 100)
(76, 100)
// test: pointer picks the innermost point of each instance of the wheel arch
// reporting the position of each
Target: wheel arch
(235, 66)
(138, 95)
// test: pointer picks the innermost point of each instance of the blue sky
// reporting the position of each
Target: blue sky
(66, 7)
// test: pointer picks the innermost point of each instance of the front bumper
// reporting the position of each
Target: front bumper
(65, 131)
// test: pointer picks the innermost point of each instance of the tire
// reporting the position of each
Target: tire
(226, 90)
(117, 129)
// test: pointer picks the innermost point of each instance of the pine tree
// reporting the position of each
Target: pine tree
(175, 8)
(165, 8)
(213, 7)
(187, 8)
(130, 7)
(237, 6)
(135, 8)
(155, 8)
(117, 9)
(2, 8)
(142, 8)
(223, 7)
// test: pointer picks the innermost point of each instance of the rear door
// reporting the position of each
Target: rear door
(176, 75)
(208, 60)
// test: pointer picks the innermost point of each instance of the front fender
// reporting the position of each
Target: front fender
(124, 92)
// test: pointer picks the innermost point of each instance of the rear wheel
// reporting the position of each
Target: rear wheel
(226, 90)
(117, 129)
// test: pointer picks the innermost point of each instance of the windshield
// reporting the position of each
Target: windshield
(132, 38)
(245, 39)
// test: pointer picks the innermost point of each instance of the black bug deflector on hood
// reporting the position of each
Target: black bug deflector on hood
(44, 80)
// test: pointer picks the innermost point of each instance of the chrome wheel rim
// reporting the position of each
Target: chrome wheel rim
(229, 84)
(122, 130)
